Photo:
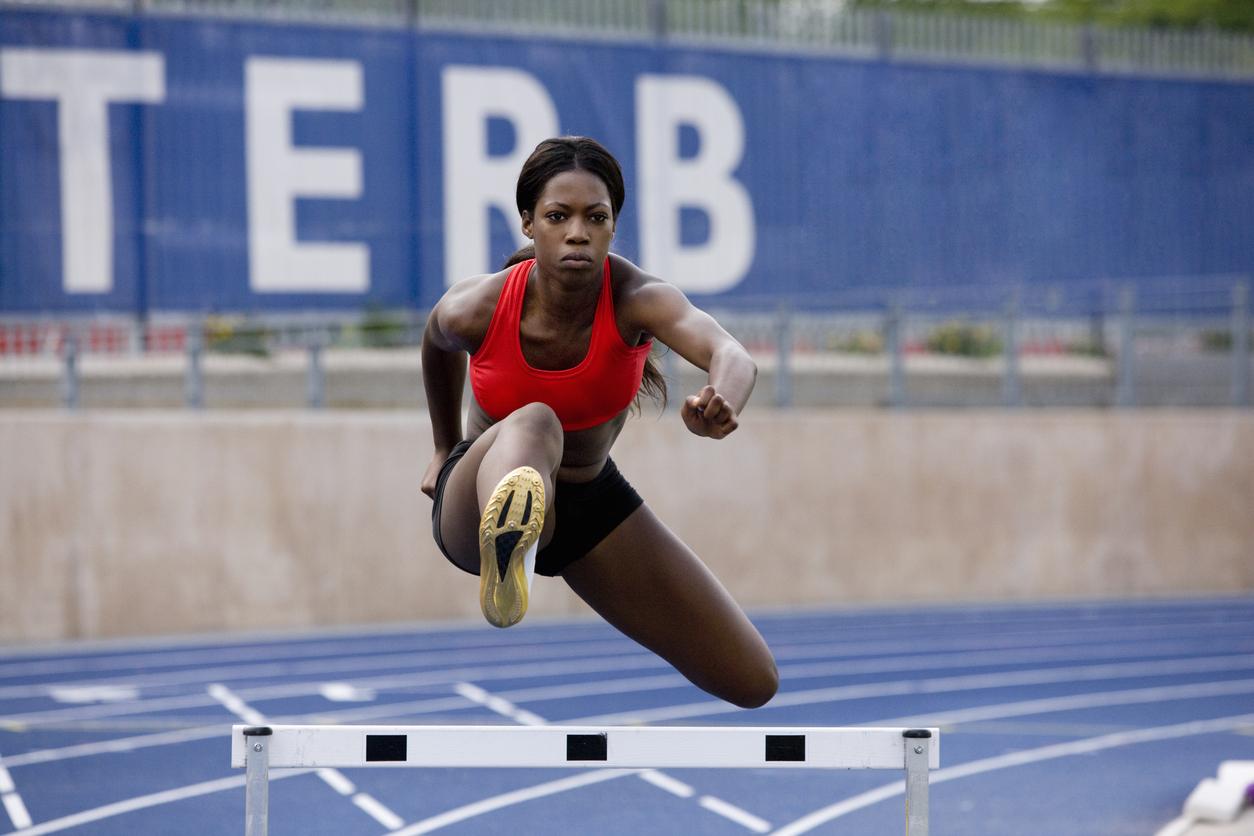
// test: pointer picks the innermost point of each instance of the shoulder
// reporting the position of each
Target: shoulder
(463, 314)
(640, 296)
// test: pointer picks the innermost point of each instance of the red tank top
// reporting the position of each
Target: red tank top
(591, 393)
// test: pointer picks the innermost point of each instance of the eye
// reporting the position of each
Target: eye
(556, 216)
(600, 217)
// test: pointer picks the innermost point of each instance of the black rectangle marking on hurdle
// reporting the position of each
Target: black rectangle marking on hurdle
(387, 747)
(785, 747)
(587, 747)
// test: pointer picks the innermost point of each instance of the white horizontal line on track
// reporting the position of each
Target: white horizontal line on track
(1076, 702)
(1022, 758)
(791, 673)
(257, 661)
(498, 802)
(436, 705)
(967, 682)
(156, 799)
(626, 662)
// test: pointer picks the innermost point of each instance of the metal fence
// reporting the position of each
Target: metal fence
(1171, 343)
(823, 25)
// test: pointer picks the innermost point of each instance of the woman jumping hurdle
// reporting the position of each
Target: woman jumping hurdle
(558, 349)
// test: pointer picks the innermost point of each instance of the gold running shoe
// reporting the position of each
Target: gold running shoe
(509, 532)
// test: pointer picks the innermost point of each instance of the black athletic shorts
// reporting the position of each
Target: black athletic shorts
(586, 513)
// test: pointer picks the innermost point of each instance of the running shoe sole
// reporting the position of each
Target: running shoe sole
(510, 526)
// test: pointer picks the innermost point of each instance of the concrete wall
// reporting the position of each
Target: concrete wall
(126, 523)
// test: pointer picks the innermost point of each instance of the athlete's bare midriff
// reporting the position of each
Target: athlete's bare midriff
(583, 453)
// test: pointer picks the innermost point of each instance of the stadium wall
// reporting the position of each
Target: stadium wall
(118, 524)
(170, 163)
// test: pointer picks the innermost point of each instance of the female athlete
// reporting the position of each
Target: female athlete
(558, 346)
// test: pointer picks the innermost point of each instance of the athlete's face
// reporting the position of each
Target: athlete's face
(573, 223)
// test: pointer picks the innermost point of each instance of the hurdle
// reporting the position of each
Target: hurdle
(258, 749)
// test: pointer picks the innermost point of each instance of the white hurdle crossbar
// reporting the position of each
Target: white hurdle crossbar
(261, 748)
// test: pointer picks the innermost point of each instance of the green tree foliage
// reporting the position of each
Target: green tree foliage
(1228, 15)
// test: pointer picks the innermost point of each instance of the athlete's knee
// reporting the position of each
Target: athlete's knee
(538, 420)
(537, 415)
(757, 686)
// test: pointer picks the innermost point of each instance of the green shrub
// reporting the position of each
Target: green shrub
(965, 340)
(228, 336)
(384, 329)
(859, 342)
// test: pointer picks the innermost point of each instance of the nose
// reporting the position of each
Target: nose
(576, 231)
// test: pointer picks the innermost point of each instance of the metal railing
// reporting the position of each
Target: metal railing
(811, 25)
(1170, 343)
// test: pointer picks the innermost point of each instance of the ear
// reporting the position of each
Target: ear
(526, 223)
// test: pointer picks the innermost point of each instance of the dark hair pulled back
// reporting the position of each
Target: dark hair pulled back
(568, 153)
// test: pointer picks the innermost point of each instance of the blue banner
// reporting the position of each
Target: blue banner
(187, 164)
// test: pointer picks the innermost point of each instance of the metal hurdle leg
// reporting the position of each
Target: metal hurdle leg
(917, 744)
(257, 781)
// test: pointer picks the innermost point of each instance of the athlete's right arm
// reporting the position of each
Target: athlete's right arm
(444, 360)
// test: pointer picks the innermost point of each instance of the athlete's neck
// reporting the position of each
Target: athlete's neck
(568, 297)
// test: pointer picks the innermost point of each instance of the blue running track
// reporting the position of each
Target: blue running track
(1057, 720)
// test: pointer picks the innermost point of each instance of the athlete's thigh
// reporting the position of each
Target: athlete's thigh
(646, 582)
(459, 506)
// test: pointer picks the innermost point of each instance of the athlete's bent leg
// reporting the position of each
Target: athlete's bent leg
(493, 514)
(646, 582)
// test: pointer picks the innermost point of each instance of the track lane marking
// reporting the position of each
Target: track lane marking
(331, 777)
(12, 800)
(487, 805)
(937, 685)
(733, 813)
(783, 651)
(1013, 759)
(142, 802)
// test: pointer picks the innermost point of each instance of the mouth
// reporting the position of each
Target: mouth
(576, 258)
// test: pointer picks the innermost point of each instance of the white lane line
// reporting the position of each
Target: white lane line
(337, 781)
(938, 685)
(378, 812)
(332, 777)
(235, 705)
(1139, 637)
(431, 638)
(500, 706)
(142, 802)
(1021, 758)
(284, 650)
(443, 677)
(793, 672)
(706, 707)
(115, 746)
(12, 801)
(508, 799)
(665, 782)
(1099, 699)
(17, 810)
(443, 704)
(398, 660)
(734, 813)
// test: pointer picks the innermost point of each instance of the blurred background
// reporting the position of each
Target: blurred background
(994, 260)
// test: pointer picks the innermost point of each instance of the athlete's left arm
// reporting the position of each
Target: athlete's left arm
(662, 310)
